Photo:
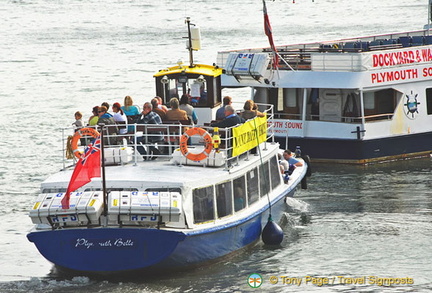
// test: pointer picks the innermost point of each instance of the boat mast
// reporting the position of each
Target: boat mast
(104, 190)
(191, 64)
(429, 16)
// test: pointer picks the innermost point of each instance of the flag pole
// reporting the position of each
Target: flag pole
(104, 190)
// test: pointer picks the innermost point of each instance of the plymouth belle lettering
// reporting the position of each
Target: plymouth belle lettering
(118, 242)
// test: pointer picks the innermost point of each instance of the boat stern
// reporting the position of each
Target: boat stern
(106, 250)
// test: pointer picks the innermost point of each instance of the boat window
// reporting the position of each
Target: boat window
(252, 186)
(429, 100)
(292, 103)
(203, 204)
(264, 179)
(224, 199)
(275, 172)
(380, 105)
(239, 193)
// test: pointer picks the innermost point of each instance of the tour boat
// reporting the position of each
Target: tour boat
(171, 212)
(356, 100)
(205, 194)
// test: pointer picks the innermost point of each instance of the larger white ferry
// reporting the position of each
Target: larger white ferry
(356, 100)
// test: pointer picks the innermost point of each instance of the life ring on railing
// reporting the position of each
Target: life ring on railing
(207, 140)
(78, 134)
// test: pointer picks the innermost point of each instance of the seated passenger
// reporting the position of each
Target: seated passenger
(220, 113)
(185, 106)
(107, 119)
(251, 110)
(157, 110)
(119, 116)
(129, 108)
(175, 113)
(149, 117)
(160, 104)
(93, 120)
(293, 162)
(231, 118)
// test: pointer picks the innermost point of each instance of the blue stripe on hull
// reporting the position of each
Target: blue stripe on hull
(116, 250)
(375, 149)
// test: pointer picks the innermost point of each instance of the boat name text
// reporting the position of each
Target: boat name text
(88, 243)
(403, 74)
(402, 57)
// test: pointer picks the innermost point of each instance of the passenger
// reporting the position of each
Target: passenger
(284, 168)
(119, 116)
(129, 108)
(185, 106)
(175, 113)
(78, 120)
(106, 105)
(293, 162)
(149, 117)
(160, 104)
(107, 119)
(93, 120)
(157, 110)
(231, 118)
(239, 201)
(220, 113)
(250, 110)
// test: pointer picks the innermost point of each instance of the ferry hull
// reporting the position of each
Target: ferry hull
(106, 251)
(362, 151)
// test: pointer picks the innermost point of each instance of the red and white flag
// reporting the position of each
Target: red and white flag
(268, 32)
(87, 167)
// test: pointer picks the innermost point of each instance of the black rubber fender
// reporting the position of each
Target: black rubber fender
(307, 160)
(304, 183)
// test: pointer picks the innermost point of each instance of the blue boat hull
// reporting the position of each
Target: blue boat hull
(362, 151)
(116, 250)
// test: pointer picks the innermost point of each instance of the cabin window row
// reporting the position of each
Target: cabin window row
(226, 198)
(338, 105)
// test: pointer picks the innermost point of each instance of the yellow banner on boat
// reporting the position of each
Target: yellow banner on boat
(249, 135)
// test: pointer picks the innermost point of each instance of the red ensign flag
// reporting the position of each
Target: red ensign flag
(88, 166)
(268, 32)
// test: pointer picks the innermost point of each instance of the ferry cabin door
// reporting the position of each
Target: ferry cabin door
(330, 105)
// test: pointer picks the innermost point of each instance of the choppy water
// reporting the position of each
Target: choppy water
(57, 57)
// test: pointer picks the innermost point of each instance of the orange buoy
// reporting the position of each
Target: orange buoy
(207, 140)
(78, 134)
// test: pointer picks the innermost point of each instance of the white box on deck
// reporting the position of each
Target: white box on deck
(117, 156)
(141, 207)
(247, 64)
(84, 208)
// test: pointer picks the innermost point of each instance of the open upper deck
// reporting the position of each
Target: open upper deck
(179, 142)
(340, 55)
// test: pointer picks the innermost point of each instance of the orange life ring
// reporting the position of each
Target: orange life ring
(78, 134)
(207, 140)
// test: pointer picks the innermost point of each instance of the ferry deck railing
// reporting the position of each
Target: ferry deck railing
(165, 138)
(298, 56)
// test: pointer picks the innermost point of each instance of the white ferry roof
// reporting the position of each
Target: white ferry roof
(353, 63)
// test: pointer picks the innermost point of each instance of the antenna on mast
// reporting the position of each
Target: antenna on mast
(194, 39)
